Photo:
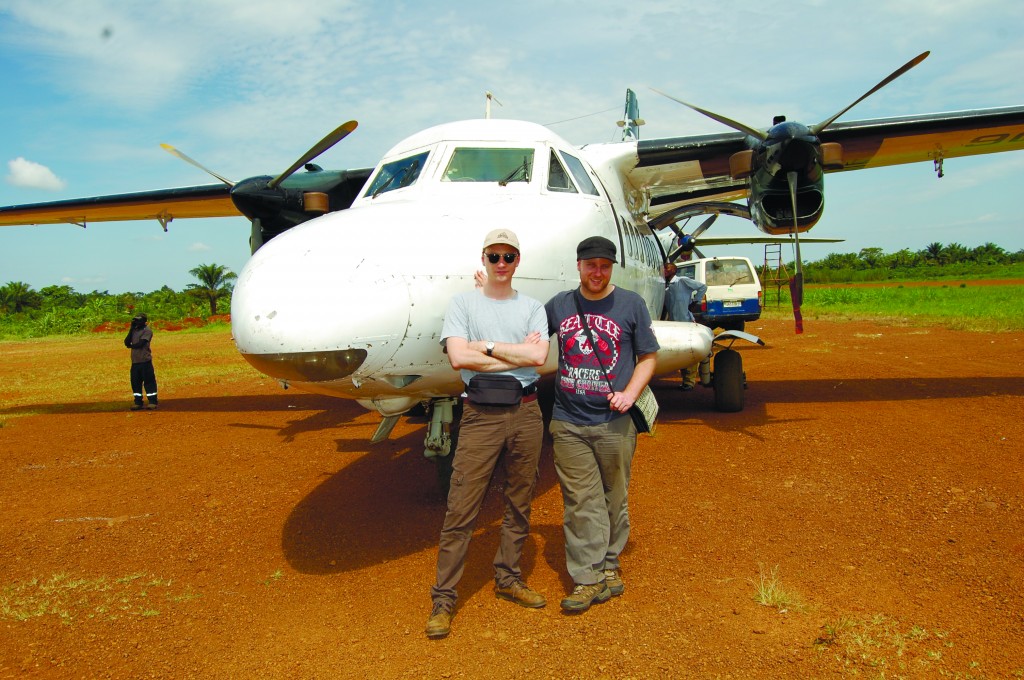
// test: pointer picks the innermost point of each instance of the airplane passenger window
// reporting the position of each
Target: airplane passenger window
(397, 174)
(473, 164)
(580, 173)
(558, 178)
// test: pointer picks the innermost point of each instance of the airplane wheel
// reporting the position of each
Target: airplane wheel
(728, 381)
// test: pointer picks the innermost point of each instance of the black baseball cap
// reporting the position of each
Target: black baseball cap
(596, 246)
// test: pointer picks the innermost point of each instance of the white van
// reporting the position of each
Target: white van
(734, 291)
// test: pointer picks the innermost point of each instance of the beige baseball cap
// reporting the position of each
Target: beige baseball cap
(505, 236)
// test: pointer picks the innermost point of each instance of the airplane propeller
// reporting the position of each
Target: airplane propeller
(171, 150)
(332, 138)
(796, 284)
(688, 242)
(273, 208)
(788, 161)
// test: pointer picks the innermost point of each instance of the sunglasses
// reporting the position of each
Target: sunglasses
(508, 257)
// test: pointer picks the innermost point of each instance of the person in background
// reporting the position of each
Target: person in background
(680, 293)
(143, 377)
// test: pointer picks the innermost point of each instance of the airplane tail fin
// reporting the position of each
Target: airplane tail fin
(631, 120)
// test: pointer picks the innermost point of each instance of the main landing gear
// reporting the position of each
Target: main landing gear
(443, 437)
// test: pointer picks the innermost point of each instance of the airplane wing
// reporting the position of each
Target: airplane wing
(164, 205)
(681, 170)
(733, 240)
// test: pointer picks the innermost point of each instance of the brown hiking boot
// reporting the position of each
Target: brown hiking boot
(585, 595)
(440, 622)
(613, 580)
(521, 594)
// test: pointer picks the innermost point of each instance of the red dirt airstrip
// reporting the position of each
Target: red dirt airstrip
(875, 476)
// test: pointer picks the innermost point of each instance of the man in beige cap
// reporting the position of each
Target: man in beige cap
(496, 337)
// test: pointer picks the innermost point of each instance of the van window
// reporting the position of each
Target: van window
(689, 271)
(727, 272)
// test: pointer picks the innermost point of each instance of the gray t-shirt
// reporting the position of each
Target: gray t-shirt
(474, 316)
(621, 327)
(142, 337)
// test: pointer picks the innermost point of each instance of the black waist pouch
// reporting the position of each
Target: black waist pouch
(494, 390)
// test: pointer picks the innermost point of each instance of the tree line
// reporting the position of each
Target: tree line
(933, 261)
(55, 310)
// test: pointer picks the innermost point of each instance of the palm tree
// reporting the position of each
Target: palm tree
(933, 252)
(18, 296)
(214, 283)
(988, 253)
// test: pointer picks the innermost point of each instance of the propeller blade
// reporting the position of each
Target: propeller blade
(171, 150)
(891, 77)
(735, 125)
(340, 133)
(796, 284)
(704, 225)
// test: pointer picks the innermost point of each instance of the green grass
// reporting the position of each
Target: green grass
(195, 357)
(959, 306)
(769, 591)
(882, 647)
(70, 599)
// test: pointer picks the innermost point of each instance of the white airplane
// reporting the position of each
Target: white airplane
(352, 271)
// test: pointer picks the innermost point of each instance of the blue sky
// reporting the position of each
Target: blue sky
(92, 87)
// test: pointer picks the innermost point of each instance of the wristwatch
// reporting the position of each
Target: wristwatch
(490, 348)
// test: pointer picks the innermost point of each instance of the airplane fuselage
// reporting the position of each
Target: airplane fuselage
(351, 304)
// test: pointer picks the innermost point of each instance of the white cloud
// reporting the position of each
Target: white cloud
(198, 247)
(25, 173)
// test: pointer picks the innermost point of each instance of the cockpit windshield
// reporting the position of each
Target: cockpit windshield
(397, 174)
(473, 164)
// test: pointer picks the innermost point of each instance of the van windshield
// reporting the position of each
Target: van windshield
(727, 273)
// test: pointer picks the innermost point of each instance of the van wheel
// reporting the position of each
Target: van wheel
(727, 380)
(733, 325)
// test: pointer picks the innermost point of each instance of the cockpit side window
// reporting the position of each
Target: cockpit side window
(397, 174)
(472, 164)
(558, 178)
(580, 174)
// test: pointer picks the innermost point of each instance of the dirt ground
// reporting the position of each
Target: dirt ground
(874, 480)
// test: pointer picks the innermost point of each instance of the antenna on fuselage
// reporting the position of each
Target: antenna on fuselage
(487, 110)
(631, 120)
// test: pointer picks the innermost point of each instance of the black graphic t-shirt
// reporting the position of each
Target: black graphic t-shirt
(621, 327)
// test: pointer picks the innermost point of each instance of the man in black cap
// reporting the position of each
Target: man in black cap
(142, 374)
(606, 357)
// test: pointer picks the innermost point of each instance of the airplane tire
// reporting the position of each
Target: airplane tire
(728, 381)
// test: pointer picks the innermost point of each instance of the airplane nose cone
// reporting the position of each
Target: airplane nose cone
(306, 314)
